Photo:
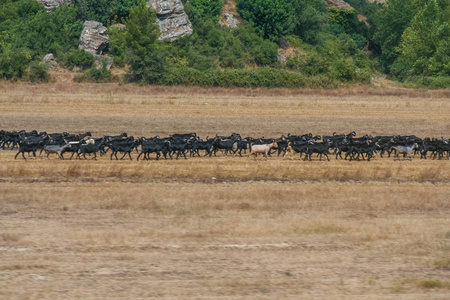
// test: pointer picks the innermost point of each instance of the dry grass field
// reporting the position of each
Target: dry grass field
(223, 227)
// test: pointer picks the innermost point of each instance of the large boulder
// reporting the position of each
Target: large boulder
(50, 4)
(172, 20)
(93, 38)
(49, 60)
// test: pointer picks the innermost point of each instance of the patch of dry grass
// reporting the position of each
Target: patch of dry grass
(223, 227)
(226, 168)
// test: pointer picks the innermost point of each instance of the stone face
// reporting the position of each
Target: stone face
(93, 38)
(172, 20)
(338, 4)
(50, 4)
(229, 20)
(49, 60)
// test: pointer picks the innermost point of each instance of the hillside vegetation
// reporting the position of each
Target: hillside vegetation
(407, 41)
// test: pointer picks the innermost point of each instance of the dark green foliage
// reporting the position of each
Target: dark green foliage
(103, 10)
(425, 45)
(365, 8)
(117, 45)
(42, 32)
(271, 18)
(37, 73)
(410, 39)
(309, 19)
(337, 57)
(211, 45)
(96, 75)
(142, 30)
(78, 58)
(359, 40)
(13, 63)
(249, 78)
(199, 10)
(147, 62)
(437, 82)
(391, 22)
(348, 20)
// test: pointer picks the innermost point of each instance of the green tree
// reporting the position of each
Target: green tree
(143, 54)
(309, 19)
(271, 18)
(204, 9)
(13, 63)
(43, 32)
(391, 21)
(103, 10)
(425, 45)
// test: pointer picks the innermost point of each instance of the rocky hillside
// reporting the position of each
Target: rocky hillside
(315, 43)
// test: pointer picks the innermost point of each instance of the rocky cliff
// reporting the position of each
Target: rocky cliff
(94, 40)
(172, 19)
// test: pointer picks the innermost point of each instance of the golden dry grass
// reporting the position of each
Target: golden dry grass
(224, 227)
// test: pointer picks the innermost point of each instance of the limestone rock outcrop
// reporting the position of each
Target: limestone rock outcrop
(172, 19)
(49, 60)
(93, 38)
(50, 4)
(229, 20)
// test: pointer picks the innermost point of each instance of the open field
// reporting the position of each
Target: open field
(224, 227)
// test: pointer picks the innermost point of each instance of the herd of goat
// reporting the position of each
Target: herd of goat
(343, 146)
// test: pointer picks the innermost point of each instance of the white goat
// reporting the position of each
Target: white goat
(56, 149)
(263, 149)
(404, 150)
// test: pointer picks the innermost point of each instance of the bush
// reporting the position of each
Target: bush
(79, 58)
(13, 63)
(204, 9)
(116, 46)
(37, 72)
(343, 70)
(247, 78)
(96, 75)
(271, 18)
(438, 82)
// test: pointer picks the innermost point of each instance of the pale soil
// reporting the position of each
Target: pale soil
(224, 227)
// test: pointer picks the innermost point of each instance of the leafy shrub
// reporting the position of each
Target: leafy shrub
(438, 82)
(143, 54)
(117, 46)
(271, 18)
(309, 19)
(248, 78)
(348, 19)
(43, 32)
(79, 58)
(37, 73)
(400, 69)
(96, 75)
(343, 69)
(103, 10)
(13, 63)
(204, 9)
